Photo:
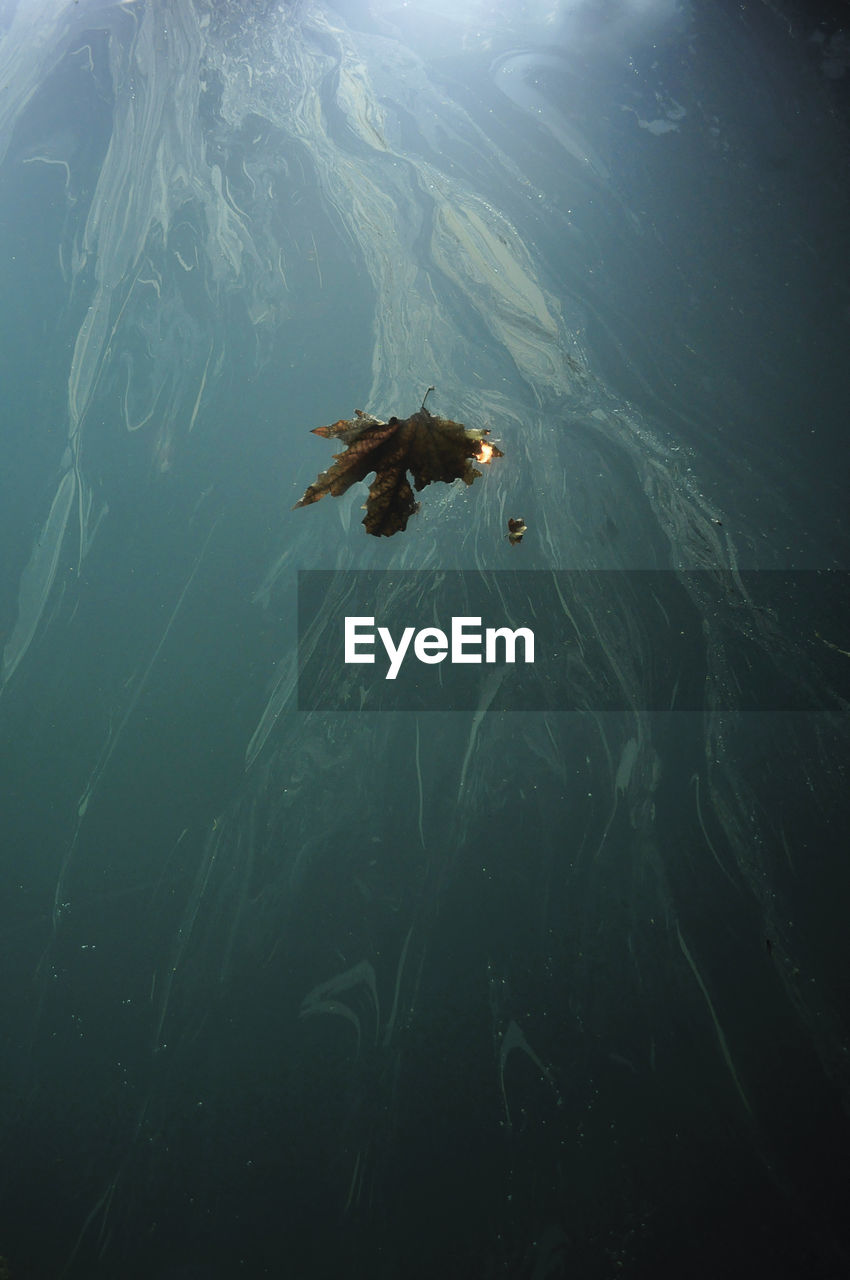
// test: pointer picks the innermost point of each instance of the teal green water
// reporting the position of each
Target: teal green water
(439, 993)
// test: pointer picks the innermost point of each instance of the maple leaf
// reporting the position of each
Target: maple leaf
(423, 446)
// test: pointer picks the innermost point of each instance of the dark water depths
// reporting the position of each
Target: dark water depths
(434, 993)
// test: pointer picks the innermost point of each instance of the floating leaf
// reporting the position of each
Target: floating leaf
(423, 446)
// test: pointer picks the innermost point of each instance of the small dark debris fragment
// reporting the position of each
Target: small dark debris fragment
(516, 528)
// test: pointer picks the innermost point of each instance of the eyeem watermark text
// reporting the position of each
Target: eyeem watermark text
(587, 641)
(463, 643)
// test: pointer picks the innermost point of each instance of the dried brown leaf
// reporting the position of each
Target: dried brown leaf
(429, 448)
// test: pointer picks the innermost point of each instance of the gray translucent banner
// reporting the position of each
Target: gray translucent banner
(600, 640)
